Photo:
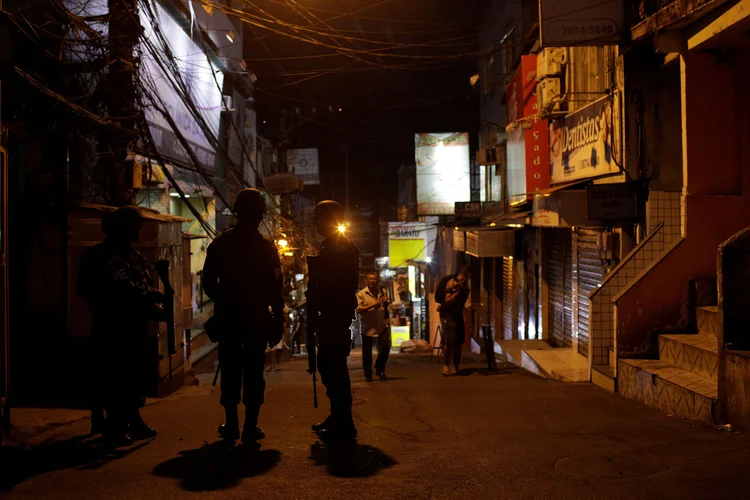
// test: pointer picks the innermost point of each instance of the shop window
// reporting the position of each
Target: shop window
(591, 74)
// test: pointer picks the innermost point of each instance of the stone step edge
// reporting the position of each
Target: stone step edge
(680, 337)
(709, 309)
(643, 365)
(200, 353)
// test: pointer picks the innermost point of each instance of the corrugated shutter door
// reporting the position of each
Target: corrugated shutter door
(508, 298)
(590, 275)
(560, 288)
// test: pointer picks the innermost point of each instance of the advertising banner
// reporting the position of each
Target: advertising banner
(203, 82)
(304, 163)
(410, 242)
(581, 144)
(581, 22)
(443, 173)
(528, 141)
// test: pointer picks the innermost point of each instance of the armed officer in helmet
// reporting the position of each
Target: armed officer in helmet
(242, 275)
(331, 308)
(116, 282)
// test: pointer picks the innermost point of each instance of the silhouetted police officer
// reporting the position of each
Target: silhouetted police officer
(242, 275)
(115, 280)
(331, 305)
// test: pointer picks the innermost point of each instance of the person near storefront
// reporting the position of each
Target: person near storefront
(451, 295)
(372, 309)
(116, 282)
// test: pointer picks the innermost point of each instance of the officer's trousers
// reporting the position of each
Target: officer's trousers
(334, 374)
(117, 371)
(242, 363)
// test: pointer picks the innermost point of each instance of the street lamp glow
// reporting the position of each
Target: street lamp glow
(428, 259)
(283, 243)
(342, 228)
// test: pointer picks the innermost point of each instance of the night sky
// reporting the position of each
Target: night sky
(405, 68)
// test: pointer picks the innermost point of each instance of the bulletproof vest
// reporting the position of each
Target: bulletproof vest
(106, 275)
(248, 272)
(335, 277)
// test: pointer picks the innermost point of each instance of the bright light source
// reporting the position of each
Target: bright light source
(492, 224)
(283, 243)
(177, 195)
(299, 277)
(428, 259)
(289, 254)
(342, 228)
(341, 109)
(515, 225)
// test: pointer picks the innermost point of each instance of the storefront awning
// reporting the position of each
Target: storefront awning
(509, 220)
(559, 187)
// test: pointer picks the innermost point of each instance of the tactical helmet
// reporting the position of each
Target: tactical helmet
(117, 222)
(249, 203)
(329, 209)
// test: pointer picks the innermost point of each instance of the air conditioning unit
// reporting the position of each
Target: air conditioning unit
(549, 94)
(550, 62)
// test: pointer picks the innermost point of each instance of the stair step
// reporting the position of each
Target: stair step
(662, 385)
(200, 340)
(200, 346)
(698, 354)
(604, 377)
(709, 320)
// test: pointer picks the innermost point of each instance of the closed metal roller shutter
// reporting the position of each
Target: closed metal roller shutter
(560, 288)
(590, 275)
(508, 299)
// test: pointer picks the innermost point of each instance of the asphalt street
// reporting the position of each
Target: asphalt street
(422, 436)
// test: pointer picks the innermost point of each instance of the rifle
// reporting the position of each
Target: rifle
(312, 325)
(162, 269)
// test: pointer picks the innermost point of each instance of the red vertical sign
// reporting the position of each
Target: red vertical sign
(522, 102)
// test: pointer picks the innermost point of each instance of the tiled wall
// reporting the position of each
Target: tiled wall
(662, 207)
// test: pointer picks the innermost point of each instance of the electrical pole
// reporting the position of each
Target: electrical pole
(115, 172)
(286, 199)
(346, 178)
(4, 301)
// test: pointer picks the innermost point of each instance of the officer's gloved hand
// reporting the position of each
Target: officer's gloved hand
(155, 296)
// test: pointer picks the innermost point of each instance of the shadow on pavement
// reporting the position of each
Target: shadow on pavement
(350, 459)
(465, 372)
(217, 466)
(82, 452)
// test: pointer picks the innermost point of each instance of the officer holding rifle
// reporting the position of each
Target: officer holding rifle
(331, 303)
(116, 282)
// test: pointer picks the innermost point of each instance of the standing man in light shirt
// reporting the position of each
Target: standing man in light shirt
(372, 303)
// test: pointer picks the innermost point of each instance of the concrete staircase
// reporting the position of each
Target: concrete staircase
(684, 380)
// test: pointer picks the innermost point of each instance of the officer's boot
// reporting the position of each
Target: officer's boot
(325, 424)
(138, 429)
(230, 429)
(98, 422)
(251, 432)
(115, 432)
(341, 430)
